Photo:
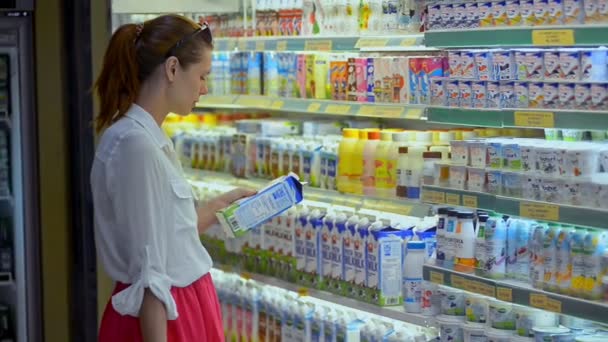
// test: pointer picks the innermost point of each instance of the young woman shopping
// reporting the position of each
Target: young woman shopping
(147, 221)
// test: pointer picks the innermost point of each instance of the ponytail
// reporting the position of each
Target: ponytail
(118, 83)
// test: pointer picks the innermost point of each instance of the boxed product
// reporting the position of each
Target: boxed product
(573, 12)
(248, 213)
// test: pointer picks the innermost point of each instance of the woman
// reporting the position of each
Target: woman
(147, 224)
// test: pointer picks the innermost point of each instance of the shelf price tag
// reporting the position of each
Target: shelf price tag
(505, 294)
(459, 282)
(539, 211)
(553, 37)
(230, 44)
(433, 196)
(538, 300)
(303, 292)
(553, 305)
(363, 43)
(414, 113)
(487, 290)
(246, 275)
(437, 277)
(314, 107)
(318, 45)
(253, 102)
(281, 45)
(452, 199)
(242, 44)
(337, 109)
(408, 42)
(535, 119)
(278, 104)
(260, 45)
(469, 201)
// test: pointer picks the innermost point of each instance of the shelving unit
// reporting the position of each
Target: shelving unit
(510, 36)
(410, 208)
(530, 118)
(407, 42)
(518, 293)
(322, 107)
(397, 313)
(580, 216)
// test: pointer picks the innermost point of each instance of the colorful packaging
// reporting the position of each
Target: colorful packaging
(381, 68)
(521, 66)
(310, 76)
(301, 76)
(467, 65)
(432, 67)
(526, 8)
(387, 81)
(466, 94)
(455, 62)
(556, 12)
(569, 65)
(599, 96)
(438, 92)
(591, 12)
(472, 14)
(485, 13)
(551, 63)
(480, 99)
(248, 213)
(460, 12)
(594, 65)
(602, 11)
(513, 12)
(338, 77)
(521, 94)
(574, 12)
(551, 95)
(400, 77)
(507, 95)
(447, 16)
(484, 66)
(504, 65)
(582, 95)
(271, 74)
(351, 83)
(536, 96)
(493, 94)
(541, 12)
(434, 19)
(566, 95)
(535, 65)
(371, 97)
(361, 74)
(415, 88)
(499, 13)
(453, 93)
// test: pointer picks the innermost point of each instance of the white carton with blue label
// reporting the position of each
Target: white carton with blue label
(248, 213)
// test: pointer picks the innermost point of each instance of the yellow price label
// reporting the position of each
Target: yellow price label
(281, 45)
(553, 37)
(535, 119)
(538, 300)
(437, 277)
(253, 102)
(459, 282)
(337, 109)
(303, 292)
(318, 45)
(487, 290)
(539, 211)
(363, 43)
(242, 44)
(504, 293)
(278, 104)
(365, 110)
(469, 201)
(314, 107)
(408, 42)
(396, 208)
(414, 113)
(553, 305)
(452, 199)
(260, 45)
(432, 196)
(246, 275)
(230, 44)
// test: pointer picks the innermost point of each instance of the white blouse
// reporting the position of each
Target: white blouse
(145, 217)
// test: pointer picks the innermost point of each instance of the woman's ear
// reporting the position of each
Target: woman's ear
(171, 65)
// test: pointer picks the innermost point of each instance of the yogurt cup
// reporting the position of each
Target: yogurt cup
(495, 155)
(551, 189)
(526, 318)
(528, 157)
(591, 338)
(545, 334)
(511, 156)
(512, 183)
(474, 333)
(478, 153)
(580, 161)
(450, 328)
(458, 176)
(460, 152)
(429, 303)
(572, 134)
(547, 160)
(531, 187)
(553, 134)
(452, 302)
(496, 335)
(494, 181)
(477, 309)
(501, 315)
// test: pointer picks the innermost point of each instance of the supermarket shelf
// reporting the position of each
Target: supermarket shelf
(402, 207)
(396, 313)
(580, 216)
(324, 107)
(530, 118)
(519, 36)
(518, 293)
(408, 42)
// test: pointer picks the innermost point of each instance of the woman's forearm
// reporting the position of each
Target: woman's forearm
(206, 214)
(153, 318)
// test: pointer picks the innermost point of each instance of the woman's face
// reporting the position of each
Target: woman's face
(189, 84)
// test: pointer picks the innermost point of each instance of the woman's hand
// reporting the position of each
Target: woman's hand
(206, 211)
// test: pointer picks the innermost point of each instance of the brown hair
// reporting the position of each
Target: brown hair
(134, 52)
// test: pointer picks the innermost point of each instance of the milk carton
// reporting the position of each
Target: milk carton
(248, 213)
(337, 250)
(326, 245)
(300, 242)
(384, 258)
(312, 236)
(348, 249)
(361, 235)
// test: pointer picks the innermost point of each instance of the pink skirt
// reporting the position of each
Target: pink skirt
(200, 318)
